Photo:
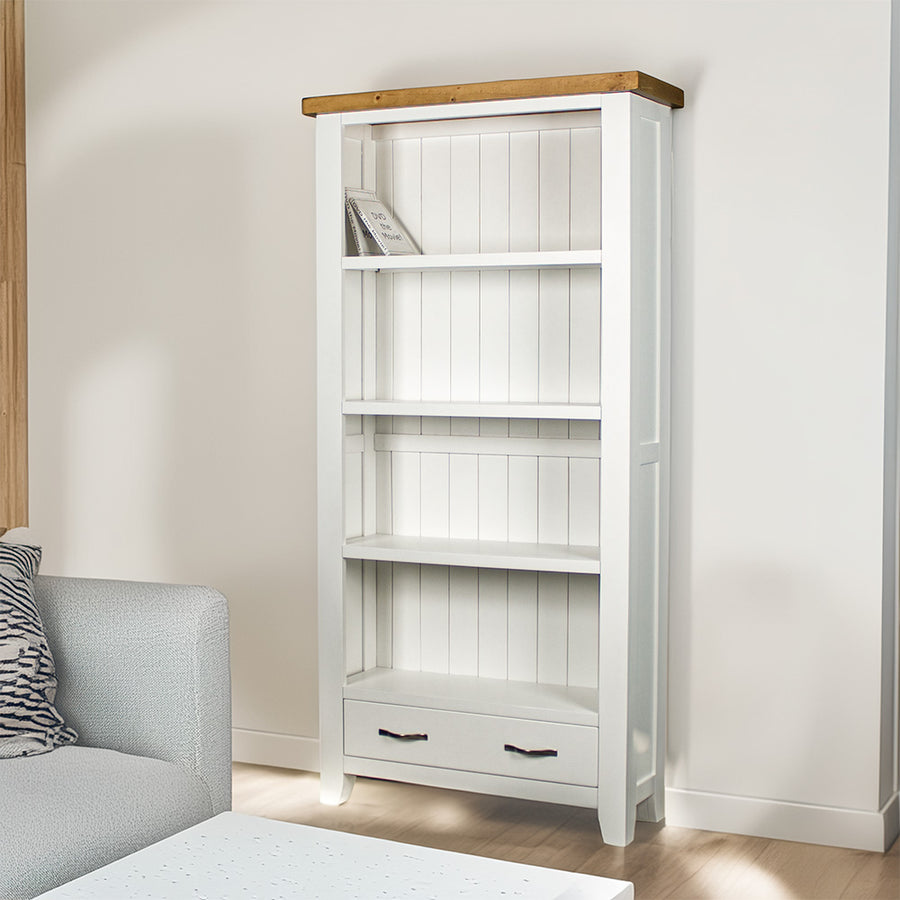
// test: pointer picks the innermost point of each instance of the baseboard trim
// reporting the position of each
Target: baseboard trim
(265, 748)
(834, 827)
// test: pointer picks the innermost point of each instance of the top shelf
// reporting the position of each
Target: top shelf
(456, 262)
(606, 83)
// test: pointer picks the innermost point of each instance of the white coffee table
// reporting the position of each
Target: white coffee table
(238, 857)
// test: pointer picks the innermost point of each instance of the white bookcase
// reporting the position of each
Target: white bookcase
(492, 549)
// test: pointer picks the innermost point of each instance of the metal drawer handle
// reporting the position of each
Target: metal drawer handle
(512, 748)
(402, 737)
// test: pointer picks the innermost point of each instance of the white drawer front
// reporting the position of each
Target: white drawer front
(471, 743)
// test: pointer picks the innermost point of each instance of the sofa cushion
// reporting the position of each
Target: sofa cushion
(76, 809)
(29, 721)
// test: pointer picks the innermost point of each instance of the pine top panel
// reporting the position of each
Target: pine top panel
(565, 85)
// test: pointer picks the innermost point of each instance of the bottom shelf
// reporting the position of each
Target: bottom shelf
(485, 696)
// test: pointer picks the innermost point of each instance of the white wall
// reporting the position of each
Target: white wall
(171, 255)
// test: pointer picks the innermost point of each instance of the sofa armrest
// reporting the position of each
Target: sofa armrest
(144, 669)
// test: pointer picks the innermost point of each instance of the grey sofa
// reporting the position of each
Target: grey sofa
(143, 675)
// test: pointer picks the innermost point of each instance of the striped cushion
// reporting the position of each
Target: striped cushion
(29, 722)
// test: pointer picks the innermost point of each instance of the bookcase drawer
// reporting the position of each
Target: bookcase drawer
(494, 745)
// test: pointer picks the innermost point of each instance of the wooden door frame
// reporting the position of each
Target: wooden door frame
(13, 293)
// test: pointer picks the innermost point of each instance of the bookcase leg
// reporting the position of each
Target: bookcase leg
(653, 809)
(617, 825)
(335, 788)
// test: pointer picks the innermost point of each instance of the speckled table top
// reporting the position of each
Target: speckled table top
(238, 857)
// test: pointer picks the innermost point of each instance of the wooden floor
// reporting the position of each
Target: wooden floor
(662, 862)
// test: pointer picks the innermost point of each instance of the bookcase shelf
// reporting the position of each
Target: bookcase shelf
(484, 696)
(478, 554)
(459, 262)
(474, 410)
(460, 393)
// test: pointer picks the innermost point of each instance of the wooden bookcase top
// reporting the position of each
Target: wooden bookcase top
(608, 83)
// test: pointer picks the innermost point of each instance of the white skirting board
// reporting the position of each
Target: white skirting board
(264, 748)
(850, 828)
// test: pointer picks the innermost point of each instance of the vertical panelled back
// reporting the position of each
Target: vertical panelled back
(493, 336)
(490, 336)
(493, 184)
(525, 626)
(492, 491)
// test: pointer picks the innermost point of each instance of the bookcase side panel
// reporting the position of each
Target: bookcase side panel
(635, 326)
(651, 265)
(656, 807)
(644, 686)
(646, 273)
(330, 224)
(616, 787)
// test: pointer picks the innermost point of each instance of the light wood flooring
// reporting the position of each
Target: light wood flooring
(662, 861)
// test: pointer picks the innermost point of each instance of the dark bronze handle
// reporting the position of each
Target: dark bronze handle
(512, 748)
(402, 737)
